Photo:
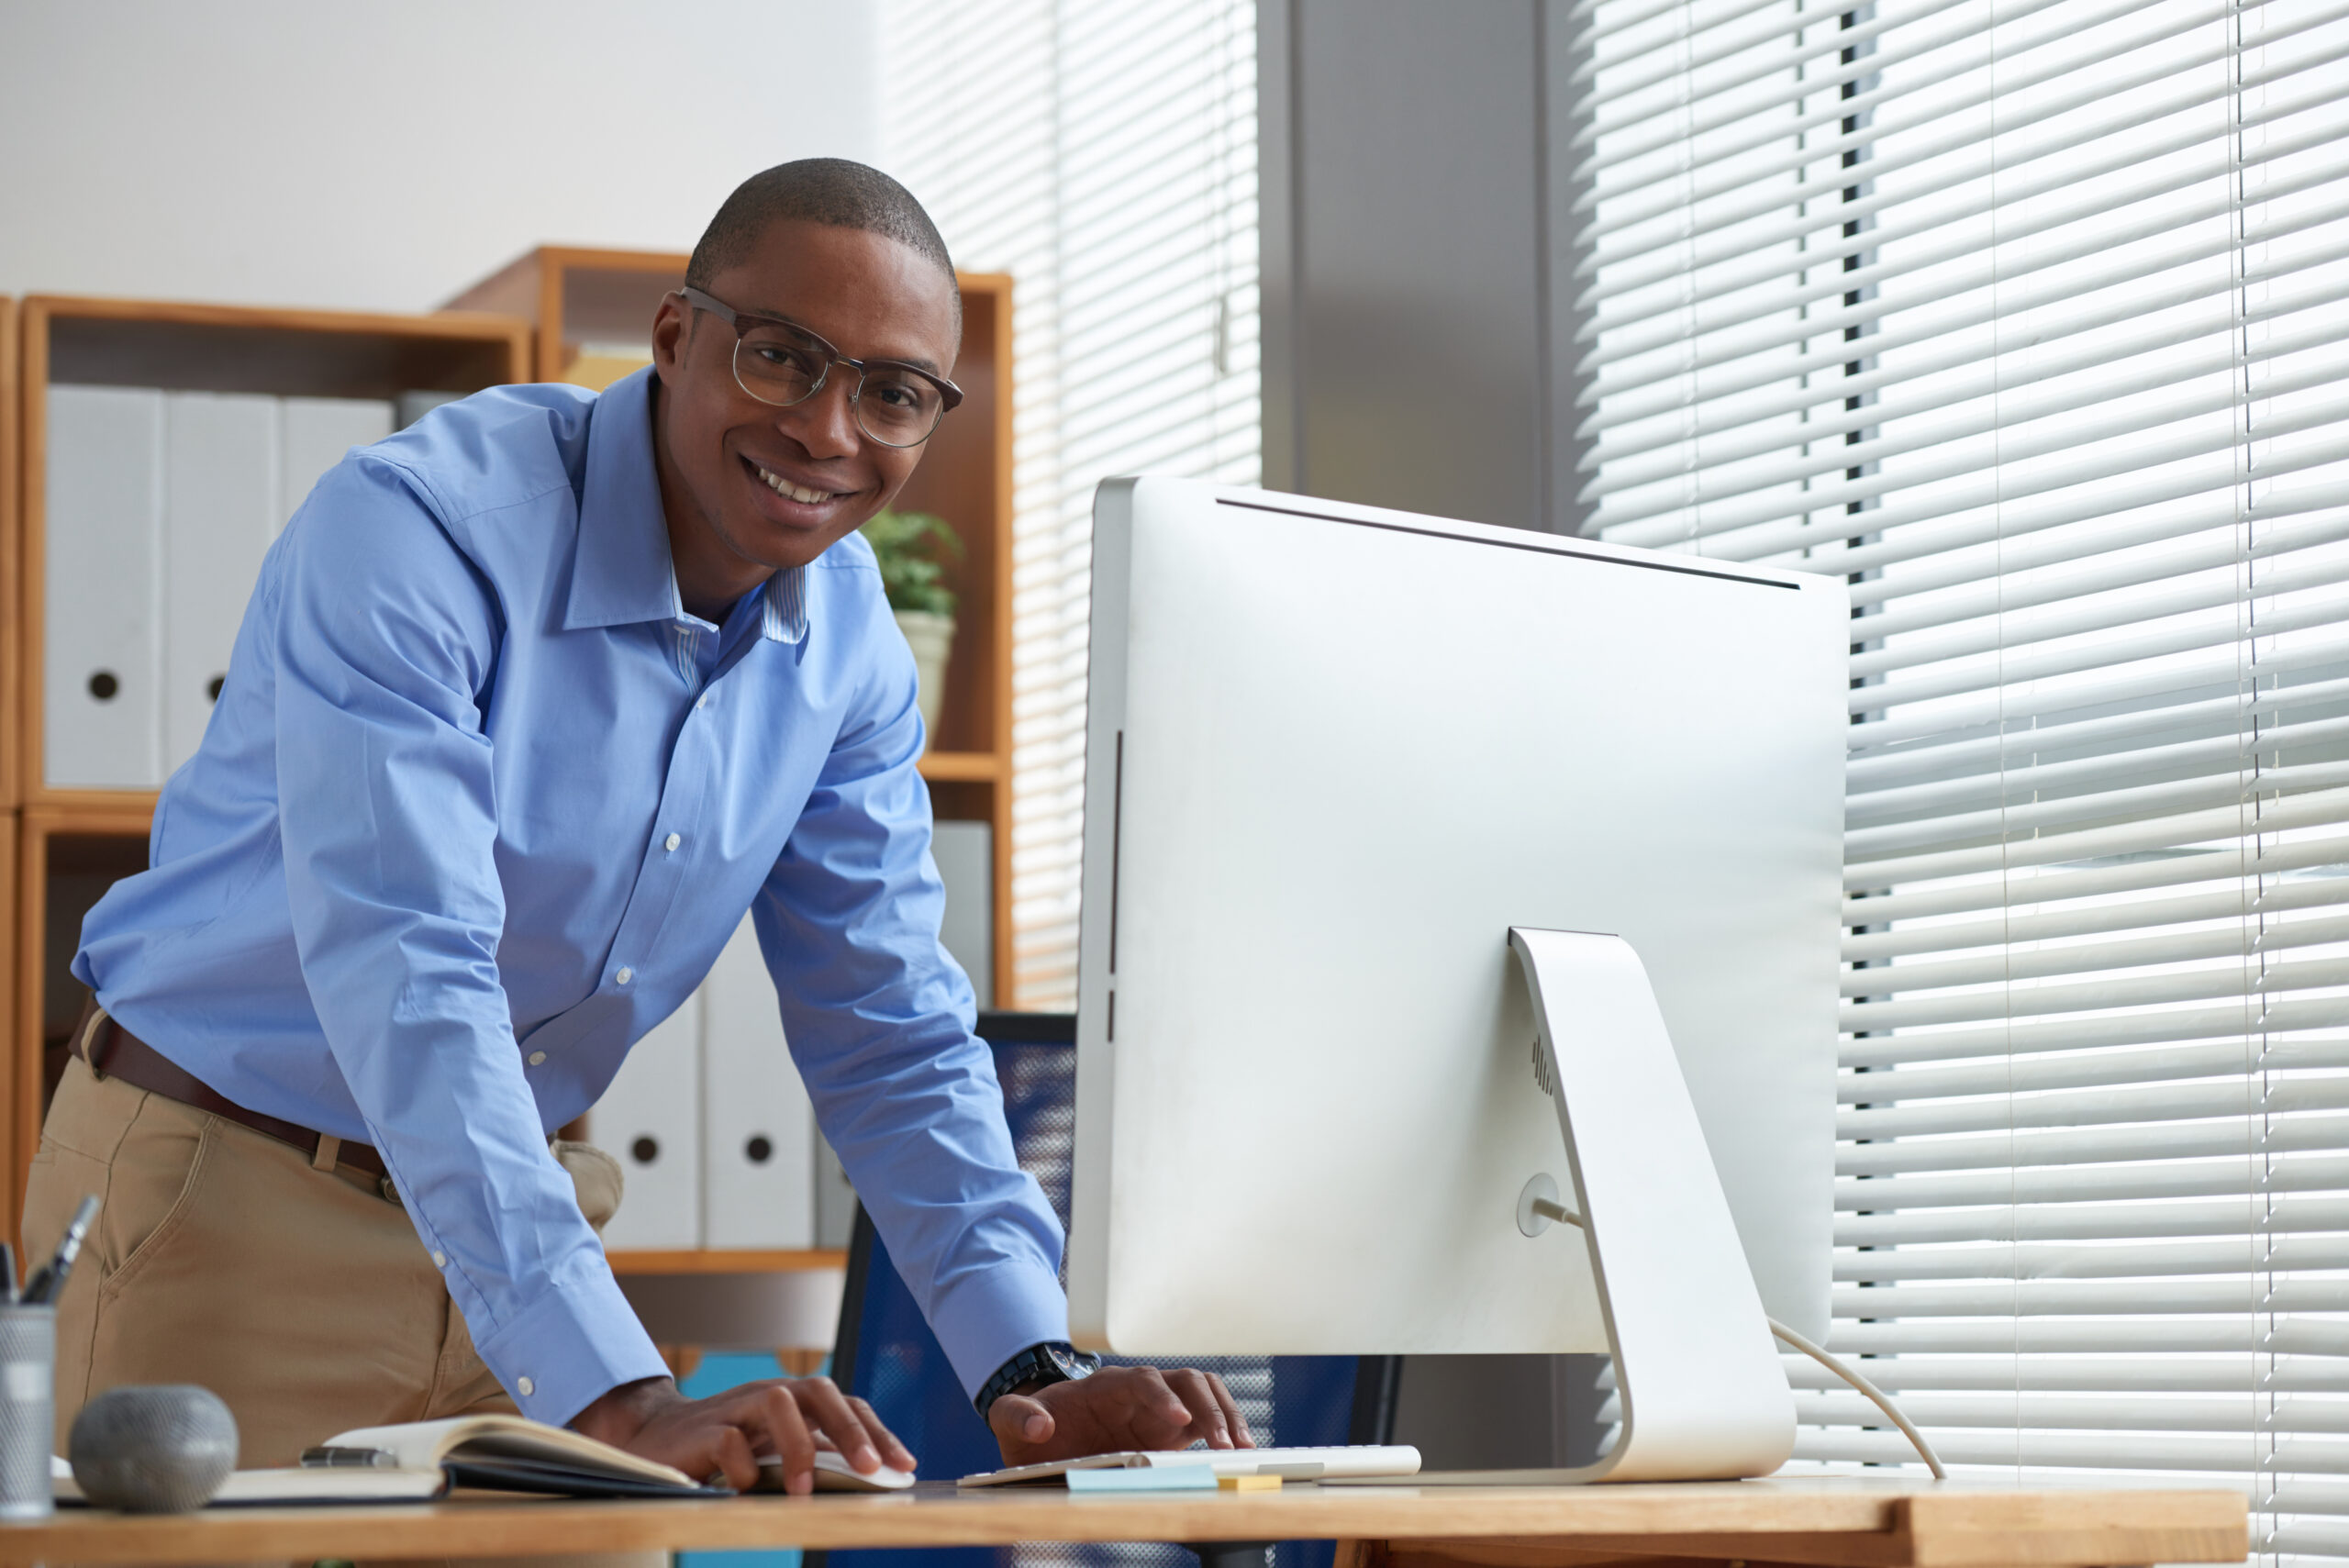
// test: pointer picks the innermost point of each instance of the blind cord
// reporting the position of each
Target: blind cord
(1550, 1211)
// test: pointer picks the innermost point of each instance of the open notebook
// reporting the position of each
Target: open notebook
(505, 1454)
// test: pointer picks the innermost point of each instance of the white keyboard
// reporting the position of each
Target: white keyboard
(1365, 1461)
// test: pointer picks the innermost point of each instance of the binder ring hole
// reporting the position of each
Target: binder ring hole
(104, 686)
(645, 1150)
(758, 1150)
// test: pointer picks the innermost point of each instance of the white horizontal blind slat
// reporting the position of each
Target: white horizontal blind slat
(2297, 324)
(1761, 359)
(1663, 324)
(2086, 1375)
(1116, 182)
(2141, 67)
(2025, 320)
(2088, 1222)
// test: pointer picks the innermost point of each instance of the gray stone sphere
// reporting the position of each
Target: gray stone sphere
(161, 1449)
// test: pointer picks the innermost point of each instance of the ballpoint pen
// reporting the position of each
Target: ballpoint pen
(43, 1287)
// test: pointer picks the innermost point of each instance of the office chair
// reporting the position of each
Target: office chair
(886, 1354)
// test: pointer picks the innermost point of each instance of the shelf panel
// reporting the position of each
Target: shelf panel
(696, 1261)
(93, 810)
(324, 354)
(11, 551)
(962, 767)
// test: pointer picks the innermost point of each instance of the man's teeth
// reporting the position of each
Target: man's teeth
(782, 486)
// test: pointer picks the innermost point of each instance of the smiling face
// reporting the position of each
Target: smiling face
(750, 489)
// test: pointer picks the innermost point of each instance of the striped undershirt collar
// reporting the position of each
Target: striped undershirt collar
(782, 618)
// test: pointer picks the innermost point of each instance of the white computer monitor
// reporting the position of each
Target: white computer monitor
(1333, 753)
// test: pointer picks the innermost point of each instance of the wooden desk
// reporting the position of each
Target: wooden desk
(1830, 1523)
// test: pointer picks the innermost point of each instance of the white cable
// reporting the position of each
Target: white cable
(1549, 1209)
(1924, 1449)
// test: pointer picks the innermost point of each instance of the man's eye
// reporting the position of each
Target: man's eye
(782, 356)
(897, 394)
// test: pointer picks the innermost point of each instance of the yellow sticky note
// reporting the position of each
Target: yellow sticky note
(1248, 1482)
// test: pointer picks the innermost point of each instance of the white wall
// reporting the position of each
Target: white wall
(384, 154)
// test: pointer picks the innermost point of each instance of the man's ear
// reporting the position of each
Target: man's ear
(671, 333)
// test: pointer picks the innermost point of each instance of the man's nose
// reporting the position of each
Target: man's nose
(826, 424)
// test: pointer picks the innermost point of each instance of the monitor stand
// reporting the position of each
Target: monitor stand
(1704, 1396)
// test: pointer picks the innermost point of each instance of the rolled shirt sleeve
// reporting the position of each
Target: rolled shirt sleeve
(389, 818)
(880, 1019)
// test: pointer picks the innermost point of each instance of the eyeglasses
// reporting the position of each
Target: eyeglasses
(781, 363)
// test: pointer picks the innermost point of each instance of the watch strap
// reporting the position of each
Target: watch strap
(1048, 1362)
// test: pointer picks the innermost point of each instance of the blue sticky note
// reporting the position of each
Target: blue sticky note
(1155, 1478)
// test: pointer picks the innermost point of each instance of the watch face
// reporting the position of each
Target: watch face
(1067, 1362)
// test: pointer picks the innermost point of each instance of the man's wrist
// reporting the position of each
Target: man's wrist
(618, 1413)
(1037, 1366)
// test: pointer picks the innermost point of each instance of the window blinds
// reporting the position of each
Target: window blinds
(2028, 317)
(1104, 156)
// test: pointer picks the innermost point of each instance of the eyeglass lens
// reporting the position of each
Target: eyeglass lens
(779, 366)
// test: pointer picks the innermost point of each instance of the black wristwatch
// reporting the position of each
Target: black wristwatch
(1054, 1361)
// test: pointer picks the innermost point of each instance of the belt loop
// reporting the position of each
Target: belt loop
(88, 1044)
(329, 1148)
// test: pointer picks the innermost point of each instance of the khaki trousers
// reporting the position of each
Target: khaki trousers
(302, 1298)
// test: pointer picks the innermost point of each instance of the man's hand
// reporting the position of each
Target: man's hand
(1116, 1408)
(728, 1433)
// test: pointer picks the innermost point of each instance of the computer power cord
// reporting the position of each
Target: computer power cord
(1549, 1208)
(1882, 1401)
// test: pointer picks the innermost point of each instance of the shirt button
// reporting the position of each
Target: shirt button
(671, 841)
(439, 1258)
(702, 701)
(538, 1057)
(525, 1387)
(625, 975)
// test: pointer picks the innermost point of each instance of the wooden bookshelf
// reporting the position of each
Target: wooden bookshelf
(11, 1140)
(579, 298)
(209, 348)
(63, 859)
(15, 1144)
(65, 846)
(592, 309)
(11, 547)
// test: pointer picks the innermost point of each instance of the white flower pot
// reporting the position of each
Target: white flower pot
(931, 637)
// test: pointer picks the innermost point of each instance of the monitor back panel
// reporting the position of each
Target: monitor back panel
(1332, 755)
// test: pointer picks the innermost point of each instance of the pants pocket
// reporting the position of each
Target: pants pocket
(595, 1179)
(154, 1184)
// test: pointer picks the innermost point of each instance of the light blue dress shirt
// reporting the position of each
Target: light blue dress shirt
(480, 803)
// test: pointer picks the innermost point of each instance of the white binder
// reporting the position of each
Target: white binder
(316, 433)
(759, 1147)
(649, 1119)
(102, 655)
(220, 510)
(965, 855)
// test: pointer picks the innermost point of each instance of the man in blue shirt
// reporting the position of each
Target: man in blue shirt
(531, 702)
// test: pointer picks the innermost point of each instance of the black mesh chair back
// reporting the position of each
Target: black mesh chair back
(886, 1354)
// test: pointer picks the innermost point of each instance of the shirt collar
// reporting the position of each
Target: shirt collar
(621, 572)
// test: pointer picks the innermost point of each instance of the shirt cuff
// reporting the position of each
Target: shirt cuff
(572, 1346)
(991, 1315)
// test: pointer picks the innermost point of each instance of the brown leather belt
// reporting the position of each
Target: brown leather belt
(112, 1052)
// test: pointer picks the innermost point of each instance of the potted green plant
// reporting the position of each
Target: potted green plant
(913, 550)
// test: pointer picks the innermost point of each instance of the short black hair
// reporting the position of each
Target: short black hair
(830, 191)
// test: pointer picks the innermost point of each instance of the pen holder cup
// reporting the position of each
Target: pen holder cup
(28, 1411)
